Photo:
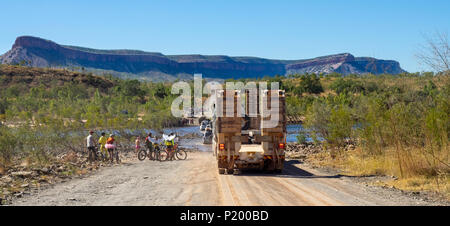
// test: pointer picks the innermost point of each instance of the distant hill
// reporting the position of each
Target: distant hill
(39, 52)
(34, 77)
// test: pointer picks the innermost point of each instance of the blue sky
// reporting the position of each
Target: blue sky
(280, 29)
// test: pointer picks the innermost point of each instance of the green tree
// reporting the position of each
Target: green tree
(310, 83)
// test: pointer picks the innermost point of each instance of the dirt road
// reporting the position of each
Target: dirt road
(196, 181)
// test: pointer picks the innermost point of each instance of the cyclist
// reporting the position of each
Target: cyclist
(110, 147)
(170, 143)
(102, 143)
(149, 143)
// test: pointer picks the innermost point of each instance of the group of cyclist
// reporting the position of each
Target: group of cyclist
(151, 143)
(107, 146)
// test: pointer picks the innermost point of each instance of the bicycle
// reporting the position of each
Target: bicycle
(142, 154)
(155, 154)
(170, 151)
(113, 153)
(179, 153)
(102, 156)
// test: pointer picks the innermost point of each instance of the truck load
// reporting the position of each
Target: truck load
(253, 140)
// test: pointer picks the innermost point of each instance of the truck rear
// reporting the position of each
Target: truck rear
(254, 140)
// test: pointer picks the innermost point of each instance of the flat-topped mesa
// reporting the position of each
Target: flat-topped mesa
(33, 42)
(38, 52)
(45, 53)
(332, 59)
(376, 66)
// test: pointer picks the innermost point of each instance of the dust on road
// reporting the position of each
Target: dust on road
(196, 181)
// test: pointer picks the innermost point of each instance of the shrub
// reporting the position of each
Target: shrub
(302, 137)
(317, 119)
(342, 85)
(340, 126)
(8, 143)
(310, 83)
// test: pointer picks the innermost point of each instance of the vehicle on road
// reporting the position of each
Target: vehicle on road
(207, 136)
(204, 124)
(252, 140)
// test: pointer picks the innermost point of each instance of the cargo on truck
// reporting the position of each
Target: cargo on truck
(249, 132)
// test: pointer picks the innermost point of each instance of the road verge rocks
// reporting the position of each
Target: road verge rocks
(301, 151)
(23, 178)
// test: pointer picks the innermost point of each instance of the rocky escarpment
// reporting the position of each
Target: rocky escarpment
(39, 52)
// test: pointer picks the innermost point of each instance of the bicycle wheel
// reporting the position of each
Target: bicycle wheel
(181, 154)
(152, 155)
(163, 155)
(142, 154)
(103, 157)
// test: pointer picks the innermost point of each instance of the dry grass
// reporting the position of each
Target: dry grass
(420, 177)
(2, 170)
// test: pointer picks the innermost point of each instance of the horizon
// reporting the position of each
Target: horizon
(363, 29)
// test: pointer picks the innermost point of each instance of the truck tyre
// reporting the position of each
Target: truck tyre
(269, 166)
(221, 171)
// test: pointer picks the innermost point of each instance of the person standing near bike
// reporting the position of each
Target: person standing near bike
(102, 143)
(91, 146)
(149, 142)
(110, 147)
(137, 142)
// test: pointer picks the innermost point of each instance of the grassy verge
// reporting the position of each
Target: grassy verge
(357, 163)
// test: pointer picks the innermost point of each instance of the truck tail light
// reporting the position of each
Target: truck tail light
(281, 145)
(221, 146)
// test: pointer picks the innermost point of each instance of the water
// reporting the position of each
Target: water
(293, 131)
(291, 136)
(181, 131)
(196, 143)
(184, 130)
(190, 143)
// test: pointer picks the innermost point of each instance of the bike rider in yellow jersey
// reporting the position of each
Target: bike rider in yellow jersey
(170, 143)
(102, 143)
